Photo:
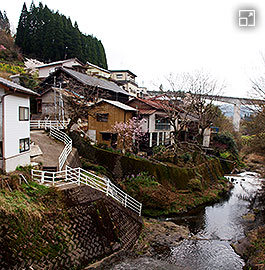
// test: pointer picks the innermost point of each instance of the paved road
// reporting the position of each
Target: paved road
(50, 148)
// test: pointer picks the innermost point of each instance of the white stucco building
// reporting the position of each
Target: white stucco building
(14, 125)
(46, 69)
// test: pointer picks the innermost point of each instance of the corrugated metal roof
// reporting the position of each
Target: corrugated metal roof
(17, 88)
(119, 105)
(100, 68)
(92, 81)
(60, 62)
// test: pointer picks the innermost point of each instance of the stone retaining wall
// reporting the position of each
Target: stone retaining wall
(95, 227)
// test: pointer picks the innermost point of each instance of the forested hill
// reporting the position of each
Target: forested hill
(50, 36)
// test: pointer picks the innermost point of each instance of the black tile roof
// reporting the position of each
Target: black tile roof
(93, 81)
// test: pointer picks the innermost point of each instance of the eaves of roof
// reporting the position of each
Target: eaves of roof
(17, 88)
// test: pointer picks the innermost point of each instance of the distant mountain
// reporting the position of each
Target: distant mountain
(228, 110)
(49, 36)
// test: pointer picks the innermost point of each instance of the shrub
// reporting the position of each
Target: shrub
(186, 157)
(195, 184)
(159, 149)
(225, 141)
(9, 68)
(142, 179)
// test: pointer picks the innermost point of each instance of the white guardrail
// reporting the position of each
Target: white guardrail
(45, 124)
(80, 176)
(63, 137)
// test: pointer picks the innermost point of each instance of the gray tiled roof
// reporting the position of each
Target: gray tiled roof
(92, 81)
(16, 87)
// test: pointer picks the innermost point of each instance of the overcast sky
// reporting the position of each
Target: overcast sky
(155, 38)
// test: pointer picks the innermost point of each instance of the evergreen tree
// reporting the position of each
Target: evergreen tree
(4, 22)
(22, 25)
(50, 36)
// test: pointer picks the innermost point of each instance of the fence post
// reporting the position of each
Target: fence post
(107, 192)
(42, 177)
(78, 176)
(53, 178)
(140, 210)
(125, 203)
(66, 168)
(38, 124)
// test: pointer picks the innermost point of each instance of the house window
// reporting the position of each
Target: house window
(23, 114)
(106, 136)
(119, 76)
(102, 117)
(162, 122)
(24, 145)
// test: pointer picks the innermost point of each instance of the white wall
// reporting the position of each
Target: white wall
(15, 130)
(2, 92)
(21, 160)
(45, 71)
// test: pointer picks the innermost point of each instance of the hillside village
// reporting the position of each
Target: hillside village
(89, 158)
(107, 97)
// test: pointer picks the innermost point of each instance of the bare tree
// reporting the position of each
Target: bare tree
(191, 100)
(256, 126)
(76, 101)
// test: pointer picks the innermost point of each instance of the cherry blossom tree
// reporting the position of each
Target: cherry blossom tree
(129, 133)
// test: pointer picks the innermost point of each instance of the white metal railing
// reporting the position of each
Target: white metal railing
(63, 137)
(45, 124)
(80, 176)
(48, 177)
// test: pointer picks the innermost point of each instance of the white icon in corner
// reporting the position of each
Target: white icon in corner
(246, 18)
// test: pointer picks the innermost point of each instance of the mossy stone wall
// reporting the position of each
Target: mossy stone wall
(120, 166)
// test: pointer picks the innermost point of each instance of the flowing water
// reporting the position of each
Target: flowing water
(213, 229)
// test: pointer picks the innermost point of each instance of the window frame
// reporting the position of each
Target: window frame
(23, 141)
(102, 117)
(20, 114)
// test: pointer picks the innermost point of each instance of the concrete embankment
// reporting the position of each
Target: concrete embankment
(44, 228)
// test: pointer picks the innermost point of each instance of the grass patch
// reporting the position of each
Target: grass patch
(27, 217)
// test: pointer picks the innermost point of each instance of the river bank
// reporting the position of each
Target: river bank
(155, 242)
(213, 230)
(252, 247)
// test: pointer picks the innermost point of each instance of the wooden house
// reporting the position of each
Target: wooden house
(106, 114)
(79, 84)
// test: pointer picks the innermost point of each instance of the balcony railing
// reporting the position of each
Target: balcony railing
(162, 126)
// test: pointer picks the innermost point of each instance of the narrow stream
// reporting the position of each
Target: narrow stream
(213, 230)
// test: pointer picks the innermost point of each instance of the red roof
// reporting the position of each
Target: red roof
(153, 103)
(146, 112)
